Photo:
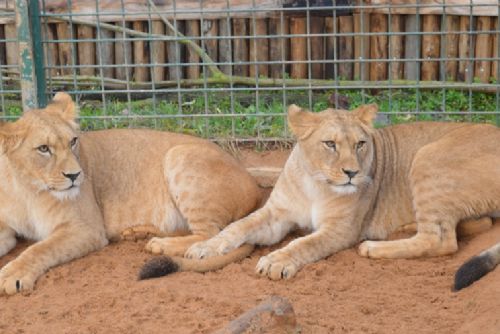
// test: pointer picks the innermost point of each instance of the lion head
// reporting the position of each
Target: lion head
(41, 149)
(336, 146)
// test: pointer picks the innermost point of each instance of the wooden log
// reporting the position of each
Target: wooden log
(175, 52)
(209, 30)
(496, 63)
(317, 26)
(396, 48)
(225, 54)
(193, 30)
(141, 73)
(465, 48)
(278, 47)
(86, 50)
(361, 46)
(346, 47)
(259, 48)
(430, 47)
(484, 43)
(411, 50)
(51, 49)
(298, 47)
(158, 53)
(240, 46)
(65, 48)
(106, 53)
(123, 55)
(451, 47)
(331, 69)
(378, 46)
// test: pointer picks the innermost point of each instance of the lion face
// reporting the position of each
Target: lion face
(42, 149)
(336, 145)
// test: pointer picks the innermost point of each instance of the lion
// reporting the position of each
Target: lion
(347, 183)
(73, 192)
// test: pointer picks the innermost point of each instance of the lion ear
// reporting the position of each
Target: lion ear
(366, 113)
(301, 122)
(63, 104)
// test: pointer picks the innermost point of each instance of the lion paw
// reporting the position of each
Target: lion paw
(163, 246)
(209, 248)
(364, 248)
(12, 282)
(276, 265)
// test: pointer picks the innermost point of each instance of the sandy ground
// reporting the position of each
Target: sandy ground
(342, 294)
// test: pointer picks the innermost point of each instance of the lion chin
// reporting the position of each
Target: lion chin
(344, 189)
(68, 194)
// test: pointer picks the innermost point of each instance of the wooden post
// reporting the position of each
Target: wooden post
(317, 26)
(12, 48)
(259, 47)
(123, 55)
(141, 73)
(298, 47)
(175, 53)
(105, 53)
(65, 48)
(484, 43)
(3, 60)
(51, 52)
(279, 47)
(209, 31)
(361, 46)
(86, 49)
(346, 47)
(158, 52)
(396, 51)
(193, 30)
(451, 51)
(496, 62)
(240, 46)
(465, 68)
(225, 54)
(378, 46)
(430, 47)
(331, 47)
(411, 49)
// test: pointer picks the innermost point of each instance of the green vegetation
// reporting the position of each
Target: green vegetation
(240, 116)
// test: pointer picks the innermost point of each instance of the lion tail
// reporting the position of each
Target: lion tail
(477, 267)
(165, 265)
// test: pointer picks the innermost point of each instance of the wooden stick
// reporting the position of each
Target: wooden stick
(346, 47)
(378, 46)
(282, 313)
(158, 52)
(141, 73)
(484, 42)
(451, 40)
(86, 49)
(225, 54)
(361, 46)
(240, 48)
(193, 30)
(123, 55)
(331, 52)
(65, 48)
(465, 68)
(411, 50)
(396, 43)
(430, 47)
(298, 47)
(259, 47)
(278, 47)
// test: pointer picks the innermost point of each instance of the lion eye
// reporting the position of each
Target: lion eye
(360, 144)
(330, 144)
(43, 149)
(74, 141)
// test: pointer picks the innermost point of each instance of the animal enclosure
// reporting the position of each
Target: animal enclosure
(228, 69)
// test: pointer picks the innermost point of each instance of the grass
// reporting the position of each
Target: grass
(242, 117)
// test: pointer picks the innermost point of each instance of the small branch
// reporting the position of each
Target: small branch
(281, 311)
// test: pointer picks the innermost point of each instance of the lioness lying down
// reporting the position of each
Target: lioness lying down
(73, 192)
(348, 182)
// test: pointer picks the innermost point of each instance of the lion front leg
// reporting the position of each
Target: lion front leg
(7, 239)
(66, 242)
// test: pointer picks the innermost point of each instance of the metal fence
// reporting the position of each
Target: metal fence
(228, 69)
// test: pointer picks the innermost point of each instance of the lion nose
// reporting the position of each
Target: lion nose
(72, 176)
(350, 173)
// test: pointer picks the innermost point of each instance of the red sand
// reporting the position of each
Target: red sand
(342, 294)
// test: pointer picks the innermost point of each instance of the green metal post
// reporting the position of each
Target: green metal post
(36, 33)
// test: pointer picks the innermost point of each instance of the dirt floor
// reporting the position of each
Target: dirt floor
(342, 294)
